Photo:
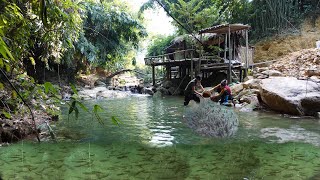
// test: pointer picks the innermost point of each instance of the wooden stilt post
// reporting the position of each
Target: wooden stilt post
(240, 74)
(153, 76)
(230, 55)
(247, 54)
(191, 68)
(234, 47)
(167, 72)
(225, 47)
(200, 58)
(219, 47)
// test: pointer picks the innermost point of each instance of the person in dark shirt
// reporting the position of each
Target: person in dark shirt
(224, 91)
(191, 93)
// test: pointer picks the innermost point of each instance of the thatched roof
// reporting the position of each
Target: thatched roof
(224, 28)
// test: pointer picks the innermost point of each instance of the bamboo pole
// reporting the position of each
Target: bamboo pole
(234, 46)
(191, 68)
(153, 76)
(200, 58)
(246, 55)
(247, 49)
(225, 47)
(219, 47)
(230, 54)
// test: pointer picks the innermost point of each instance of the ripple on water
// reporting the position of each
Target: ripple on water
(293, 134)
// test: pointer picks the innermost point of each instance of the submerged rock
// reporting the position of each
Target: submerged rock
(290, 95)
(211, 119)
(250, 103)
(293, 134)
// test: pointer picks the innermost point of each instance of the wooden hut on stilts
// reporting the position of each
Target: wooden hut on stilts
(182, 61)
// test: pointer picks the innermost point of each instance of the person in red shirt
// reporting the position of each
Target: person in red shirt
(224, 91)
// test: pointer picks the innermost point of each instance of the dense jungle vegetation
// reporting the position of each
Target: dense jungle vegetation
(266, 17)
(49, 40)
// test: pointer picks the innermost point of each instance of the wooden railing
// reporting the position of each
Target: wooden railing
(207, 60)
(185, 55)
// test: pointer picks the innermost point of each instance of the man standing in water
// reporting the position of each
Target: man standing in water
(191, 93)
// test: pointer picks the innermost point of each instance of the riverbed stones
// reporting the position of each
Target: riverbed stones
(251, 103)
(299, 64)
(99, 82)
(261, 69)
(248, 78)
(101, 92)
(290, 95)
(237, 88)
(148, 91)
(312, 72)
(272, 73)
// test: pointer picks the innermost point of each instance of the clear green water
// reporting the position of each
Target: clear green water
(154, 143)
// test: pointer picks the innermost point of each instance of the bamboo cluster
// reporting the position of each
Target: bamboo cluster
(275, 16)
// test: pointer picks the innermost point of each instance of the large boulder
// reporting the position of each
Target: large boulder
(252, 83)
(167, 84)
(290, 95)
(237, 88)
(163, 90)
(246, 92)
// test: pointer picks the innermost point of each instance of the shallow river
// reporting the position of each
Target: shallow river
(154, 143)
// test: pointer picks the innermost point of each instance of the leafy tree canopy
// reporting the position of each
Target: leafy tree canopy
(265, 16)
(158, 44)
(109, 32)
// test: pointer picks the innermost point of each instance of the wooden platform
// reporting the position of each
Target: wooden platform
(183, 63)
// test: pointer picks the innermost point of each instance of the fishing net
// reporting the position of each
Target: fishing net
(211, 119)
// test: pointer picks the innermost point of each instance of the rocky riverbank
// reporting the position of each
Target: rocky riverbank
(21, 126)
(287, 95)
(291, 85)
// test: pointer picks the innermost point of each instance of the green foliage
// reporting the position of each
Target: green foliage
(266, 17)
(28, 37)
(6, 114)
(109, 32)
(191, 14)
(116, 121)
(34, 34)
(158, 44)
(96, 110)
